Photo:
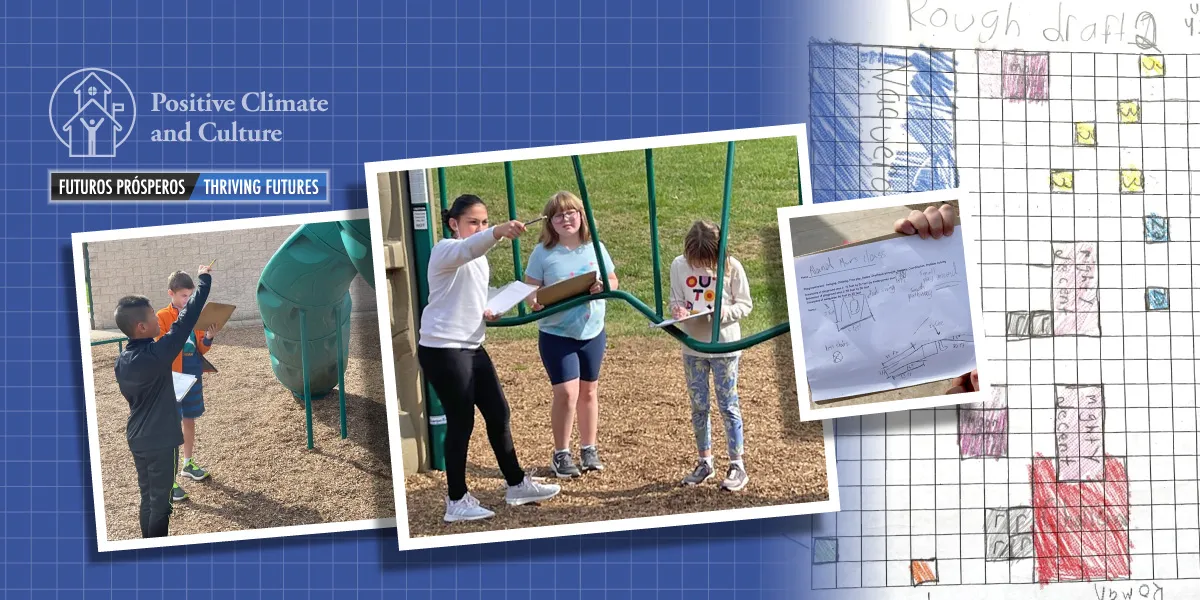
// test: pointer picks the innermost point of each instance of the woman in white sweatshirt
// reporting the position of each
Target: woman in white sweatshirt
(694, 290)
(452, 357)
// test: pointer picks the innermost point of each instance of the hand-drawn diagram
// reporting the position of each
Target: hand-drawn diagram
(884, 315)
(849, 310)
(1081, 162)
(899, 364)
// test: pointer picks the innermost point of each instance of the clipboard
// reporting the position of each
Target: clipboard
(567, 288)
(206, 366)
(889, 236)
(214, 313)
(707, 311)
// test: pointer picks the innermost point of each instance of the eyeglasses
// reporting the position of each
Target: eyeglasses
(563, 216)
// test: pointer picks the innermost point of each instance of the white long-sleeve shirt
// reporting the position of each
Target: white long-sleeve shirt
(696, 290)
(458, 275)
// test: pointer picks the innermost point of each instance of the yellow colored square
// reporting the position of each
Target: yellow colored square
(1129, 111)
(1131, 181)
(1085, 134)
(1152, 65)
(1062, 181)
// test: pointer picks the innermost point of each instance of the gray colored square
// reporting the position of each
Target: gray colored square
(1020, 520)
(1017, 324)
(1041, 323)
(1021, 546)
(825, 550)
(996, 535)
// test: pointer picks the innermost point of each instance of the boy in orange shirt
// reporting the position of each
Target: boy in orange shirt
(180, 288)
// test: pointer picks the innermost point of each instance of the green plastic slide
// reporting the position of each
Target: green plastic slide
(312, 271)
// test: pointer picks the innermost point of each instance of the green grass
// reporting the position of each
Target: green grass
(690, 183)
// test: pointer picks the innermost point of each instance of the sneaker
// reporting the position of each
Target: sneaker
(466, 508)
(590, 459)
(193, 470)
(703, 472)
(177, 494)
(564, 466)
(530, 491)
(736, 479)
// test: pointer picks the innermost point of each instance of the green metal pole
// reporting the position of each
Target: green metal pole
(441, 173)
(724, 246)
(587, 209)
(512, 214)
(304, 366)
(337, 317)
(422, 248)
(799, 182)
(87, 283)
(653, 195)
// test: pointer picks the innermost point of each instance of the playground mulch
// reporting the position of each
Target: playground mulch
(252, 439)
(646, 442)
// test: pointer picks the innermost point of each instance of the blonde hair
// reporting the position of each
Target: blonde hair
(562, 202)
(702, 246)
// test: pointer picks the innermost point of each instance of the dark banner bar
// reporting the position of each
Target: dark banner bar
(121, 187)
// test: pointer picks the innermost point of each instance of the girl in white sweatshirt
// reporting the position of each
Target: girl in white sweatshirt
(694, 290)
(452, 357)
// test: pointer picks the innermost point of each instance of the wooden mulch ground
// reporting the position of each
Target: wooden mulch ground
(646, 442)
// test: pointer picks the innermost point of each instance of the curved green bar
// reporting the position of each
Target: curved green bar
(675, 332)
(312, 270)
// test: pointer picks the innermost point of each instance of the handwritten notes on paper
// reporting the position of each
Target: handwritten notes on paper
(884, 315)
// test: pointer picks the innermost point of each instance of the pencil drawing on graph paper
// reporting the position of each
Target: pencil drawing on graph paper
(1084, 164)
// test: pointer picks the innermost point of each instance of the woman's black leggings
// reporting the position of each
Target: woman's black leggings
(464, 379)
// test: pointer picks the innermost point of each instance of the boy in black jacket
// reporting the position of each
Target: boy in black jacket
(144, 375)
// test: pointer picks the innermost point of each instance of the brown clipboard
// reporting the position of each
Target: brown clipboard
(214, 313)
(206, 366)
(567, 288)
(957, 225)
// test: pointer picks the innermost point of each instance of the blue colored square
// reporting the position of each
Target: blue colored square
(821, 55)
(1157, 229)
(1158, 298)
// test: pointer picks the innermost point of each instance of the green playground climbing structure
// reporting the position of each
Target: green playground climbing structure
(423, 241)
(304, 300)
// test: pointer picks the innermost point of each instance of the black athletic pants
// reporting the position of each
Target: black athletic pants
(156, 477)
(464, 379)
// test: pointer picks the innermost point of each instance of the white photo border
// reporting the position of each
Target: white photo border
(832, 504)
(89, 383)
(967, 201)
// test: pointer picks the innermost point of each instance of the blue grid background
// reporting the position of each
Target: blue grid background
(405, 79)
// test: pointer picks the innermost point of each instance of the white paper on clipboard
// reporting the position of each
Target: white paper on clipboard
(183, 382)
(509, 296)
(707, 311)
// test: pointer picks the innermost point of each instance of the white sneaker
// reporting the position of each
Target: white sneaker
(530, 491)
(466, 509)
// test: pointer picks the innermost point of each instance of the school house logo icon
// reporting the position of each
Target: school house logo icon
(92, 112)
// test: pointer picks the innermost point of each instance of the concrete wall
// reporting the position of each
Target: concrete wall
(141, 266)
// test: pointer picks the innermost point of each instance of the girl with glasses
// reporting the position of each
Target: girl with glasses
(572, 342)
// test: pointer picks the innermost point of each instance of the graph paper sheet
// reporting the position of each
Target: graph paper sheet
(1079, 474)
